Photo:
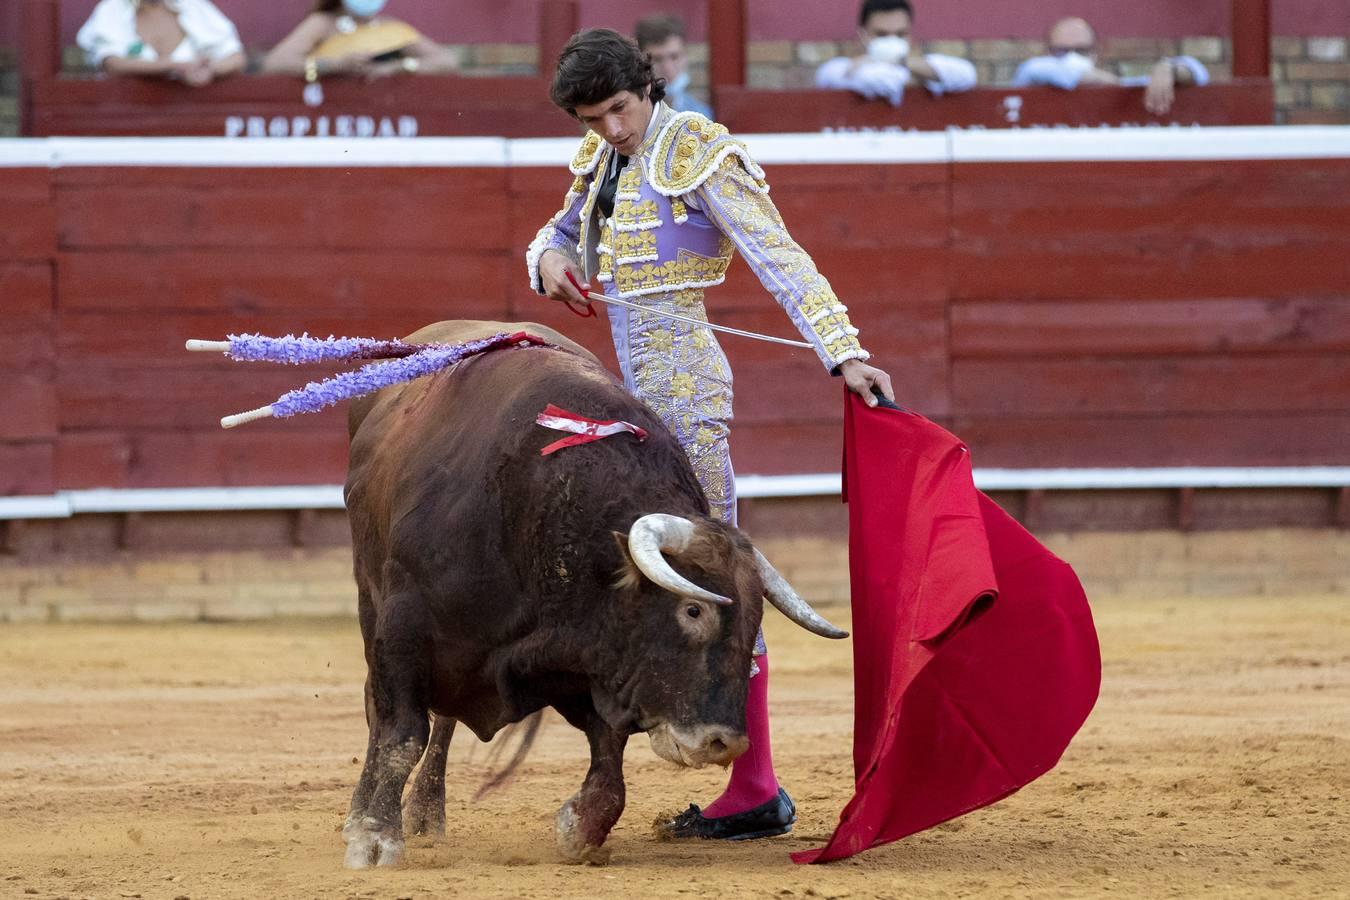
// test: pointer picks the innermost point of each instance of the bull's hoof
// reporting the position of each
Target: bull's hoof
(424, 819)
(571, 844)
(368, 845)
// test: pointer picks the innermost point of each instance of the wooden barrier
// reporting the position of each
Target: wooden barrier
(1064, 313)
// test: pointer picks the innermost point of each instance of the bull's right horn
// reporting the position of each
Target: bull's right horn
(657, 532)
(790, 604)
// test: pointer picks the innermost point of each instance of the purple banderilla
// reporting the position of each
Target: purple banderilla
(410, 361)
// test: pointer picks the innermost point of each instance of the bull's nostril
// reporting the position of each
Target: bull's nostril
(718, 746)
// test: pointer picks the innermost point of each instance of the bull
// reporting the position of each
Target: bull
(494, 582)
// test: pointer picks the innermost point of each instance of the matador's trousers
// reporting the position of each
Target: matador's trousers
(681, 373)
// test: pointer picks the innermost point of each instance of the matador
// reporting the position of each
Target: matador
(659, 203)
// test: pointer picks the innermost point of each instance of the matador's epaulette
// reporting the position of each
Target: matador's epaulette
(587, 155)
(689, 150)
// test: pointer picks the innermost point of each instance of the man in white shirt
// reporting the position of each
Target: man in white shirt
(1072, 62)
(889, 61)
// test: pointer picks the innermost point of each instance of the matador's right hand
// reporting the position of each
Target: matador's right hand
(554, 268)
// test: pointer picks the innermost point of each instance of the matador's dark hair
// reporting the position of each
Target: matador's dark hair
(597, 64)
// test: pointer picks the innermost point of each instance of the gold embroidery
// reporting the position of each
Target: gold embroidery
(682, 386)
(662, 341)
(604, 258)
(687, 151)
(636, 212)
(630, 244)
(688, 269)
(585, 158)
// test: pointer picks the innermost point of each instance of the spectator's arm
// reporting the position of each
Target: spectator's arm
(1046, 70)
(126, 65)
(288, 57)
(1189, 71)
(943, 74)
(433, 58)
(1167, 75)
(866, 77)
(229, 65)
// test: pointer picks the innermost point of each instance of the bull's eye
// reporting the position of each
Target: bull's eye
(693, 611)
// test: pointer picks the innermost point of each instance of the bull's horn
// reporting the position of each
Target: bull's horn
(781, 595)
(657, 532)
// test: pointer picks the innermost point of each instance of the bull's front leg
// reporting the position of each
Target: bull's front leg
(585, 820)
(398, 679)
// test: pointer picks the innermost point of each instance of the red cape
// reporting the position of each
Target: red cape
(975, 657)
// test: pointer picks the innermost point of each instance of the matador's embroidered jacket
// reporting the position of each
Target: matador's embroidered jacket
(687, 200)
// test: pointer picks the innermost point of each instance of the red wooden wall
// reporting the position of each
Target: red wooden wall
(1053, 314)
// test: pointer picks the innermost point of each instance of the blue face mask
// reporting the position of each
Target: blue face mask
(678, 84)
(364, 9)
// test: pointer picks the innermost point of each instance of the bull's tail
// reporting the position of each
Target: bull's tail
(529, 730)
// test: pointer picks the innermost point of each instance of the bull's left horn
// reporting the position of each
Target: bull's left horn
(782, 596)
(657, 532)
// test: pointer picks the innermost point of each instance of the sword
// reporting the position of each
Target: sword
(725, 329)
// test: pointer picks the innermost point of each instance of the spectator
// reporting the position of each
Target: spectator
(661, 37)
(185, 40)
(1073, 62)
(350, 37)
(889, 61)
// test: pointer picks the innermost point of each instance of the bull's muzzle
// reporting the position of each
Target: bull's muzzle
(708, 745)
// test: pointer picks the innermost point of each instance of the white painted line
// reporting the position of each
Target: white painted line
(849, 149)
(488, 152)
(1150, 144)
(1135, 479)
(325, 496)
(819, 485)
(824, 484)
(25, 153)
(550, 152)
(962, 146)
(34, 507)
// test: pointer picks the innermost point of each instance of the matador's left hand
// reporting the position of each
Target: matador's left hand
(861, 378)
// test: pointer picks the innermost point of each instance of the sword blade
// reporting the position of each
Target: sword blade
(725, 329)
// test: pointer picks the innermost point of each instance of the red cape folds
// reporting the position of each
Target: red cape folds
(975, 658)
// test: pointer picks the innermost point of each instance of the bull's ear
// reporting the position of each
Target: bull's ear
(628, 575)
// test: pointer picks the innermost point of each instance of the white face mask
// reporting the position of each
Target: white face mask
(888, 49)
(364, 9)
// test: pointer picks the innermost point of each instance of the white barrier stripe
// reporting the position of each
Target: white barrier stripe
(64, 504)
(449, 152)
(1145, 144)
(861, 148)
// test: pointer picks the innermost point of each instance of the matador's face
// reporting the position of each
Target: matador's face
(621, 120)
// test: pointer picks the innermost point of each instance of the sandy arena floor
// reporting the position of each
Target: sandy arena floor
(217, 761)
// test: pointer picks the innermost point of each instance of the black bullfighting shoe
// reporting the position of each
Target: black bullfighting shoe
(770, 818)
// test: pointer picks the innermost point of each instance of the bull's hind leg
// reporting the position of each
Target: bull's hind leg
(585, 820)
(398, 680)
(424, 810)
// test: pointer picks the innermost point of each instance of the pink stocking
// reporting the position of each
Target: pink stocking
(752, 780)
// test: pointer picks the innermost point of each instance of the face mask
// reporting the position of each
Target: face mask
(364, 9)
(677, 84)
(889, 49)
